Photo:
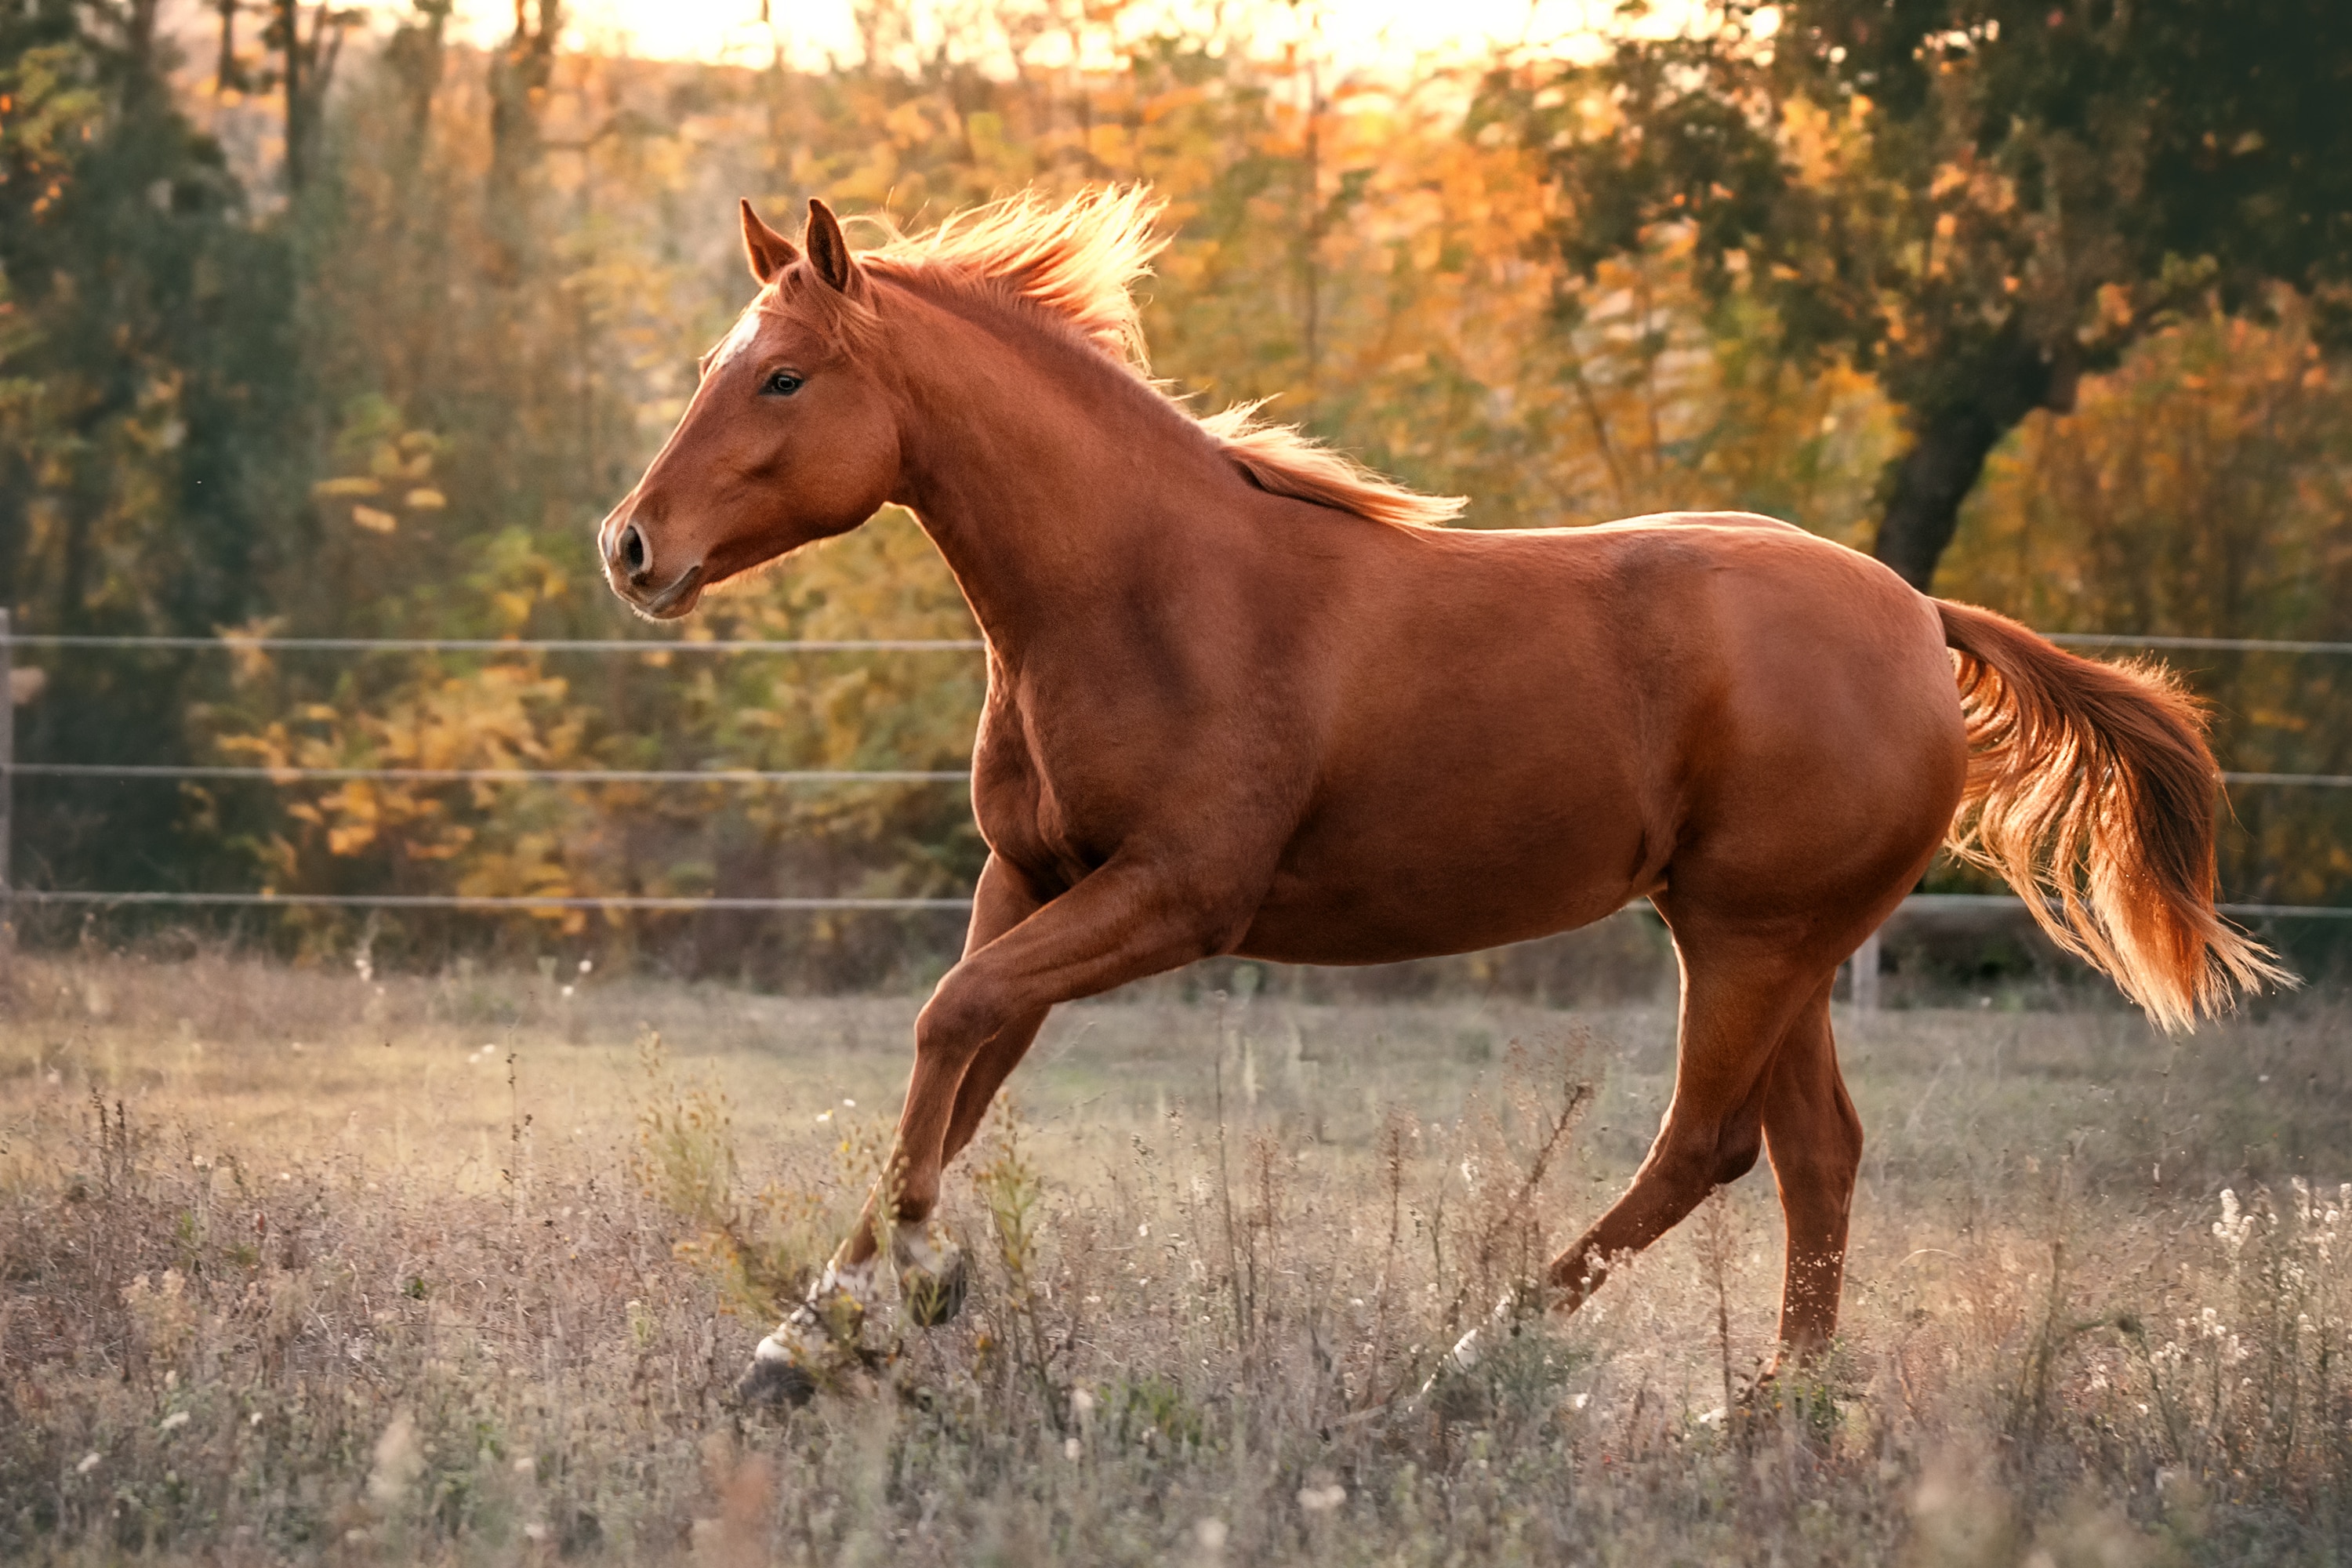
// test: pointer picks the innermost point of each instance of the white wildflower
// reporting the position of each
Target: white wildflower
(399, 1461)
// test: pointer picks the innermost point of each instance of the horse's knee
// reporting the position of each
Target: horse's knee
(959, 1018)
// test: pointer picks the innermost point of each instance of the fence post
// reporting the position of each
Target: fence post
(1864, 972)
(7, 773)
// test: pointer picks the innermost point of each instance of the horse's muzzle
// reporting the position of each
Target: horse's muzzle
(629, 568)
(668, 603)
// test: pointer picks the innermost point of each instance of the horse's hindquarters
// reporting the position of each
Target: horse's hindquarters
(1827, 776)
(1758, 725)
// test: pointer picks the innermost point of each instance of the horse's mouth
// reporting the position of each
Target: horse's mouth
(679, 599)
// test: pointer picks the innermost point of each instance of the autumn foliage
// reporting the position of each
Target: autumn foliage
(443, 325)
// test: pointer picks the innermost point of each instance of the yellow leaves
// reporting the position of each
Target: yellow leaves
(500, 717)
(2276, 718)
(532, 866)
(910, 123)
(250, 663)
(1162, 105)
(1109, 145)
(2114, 306)
(350, 839)
(398, 465)
(410, 457)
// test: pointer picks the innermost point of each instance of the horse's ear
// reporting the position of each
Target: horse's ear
(828, 252)
(768, 252)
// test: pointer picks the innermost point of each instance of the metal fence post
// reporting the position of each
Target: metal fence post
(1864, 992)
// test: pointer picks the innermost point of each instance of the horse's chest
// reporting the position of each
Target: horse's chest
(1036, 807)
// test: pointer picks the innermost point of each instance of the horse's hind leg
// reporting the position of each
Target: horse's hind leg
(1814, 1139)
(1739, 999)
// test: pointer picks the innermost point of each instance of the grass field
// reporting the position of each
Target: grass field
(305, 1266)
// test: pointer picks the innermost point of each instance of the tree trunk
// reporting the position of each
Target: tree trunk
(415, 55)
(226, 75)
(520, 75)
(297, 94)
(1989, 395)
(1930, 481)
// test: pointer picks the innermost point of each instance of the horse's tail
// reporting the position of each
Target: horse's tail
(2090, 787)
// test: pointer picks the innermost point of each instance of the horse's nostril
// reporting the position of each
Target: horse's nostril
(634, 559)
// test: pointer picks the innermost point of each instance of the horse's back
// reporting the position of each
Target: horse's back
(1704, 520)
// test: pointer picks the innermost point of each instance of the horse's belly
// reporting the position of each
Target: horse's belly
(1377, 896)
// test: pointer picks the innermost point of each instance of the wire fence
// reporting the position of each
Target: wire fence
(230, 642)
(739, 777)
(273, 775)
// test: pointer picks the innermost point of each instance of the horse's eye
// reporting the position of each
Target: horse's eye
(783, 384)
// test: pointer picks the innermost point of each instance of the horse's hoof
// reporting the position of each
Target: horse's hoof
(773, 1380)
(779, 1373)
(819, 1345)
(932, 1279)
(837, 1304)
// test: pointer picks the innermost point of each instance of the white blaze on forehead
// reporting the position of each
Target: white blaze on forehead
(747, 328)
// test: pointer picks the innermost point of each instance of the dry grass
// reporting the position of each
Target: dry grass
(308, 1267)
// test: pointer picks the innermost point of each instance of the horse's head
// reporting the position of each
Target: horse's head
(790, 436)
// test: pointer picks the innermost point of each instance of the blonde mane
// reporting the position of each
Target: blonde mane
(1079, 262)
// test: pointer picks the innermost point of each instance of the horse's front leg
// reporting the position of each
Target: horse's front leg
(947, 1073)
(1136, 916)
(941, 1068)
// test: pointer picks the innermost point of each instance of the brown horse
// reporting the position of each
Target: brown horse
(1246, 698)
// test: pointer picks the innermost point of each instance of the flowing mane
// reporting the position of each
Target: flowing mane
(1079, 262)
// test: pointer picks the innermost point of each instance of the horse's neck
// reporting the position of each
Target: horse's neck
(1056, 486)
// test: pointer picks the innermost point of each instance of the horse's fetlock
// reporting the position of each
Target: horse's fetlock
(932, 1279)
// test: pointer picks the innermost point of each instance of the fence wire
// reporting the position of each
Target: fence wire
(9, 640)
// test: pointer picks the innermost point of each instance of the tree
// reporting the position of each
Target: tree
(145, 369)
(1980, 200)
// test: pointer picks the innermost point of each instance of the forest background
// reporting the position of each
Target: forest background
(314, 322)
